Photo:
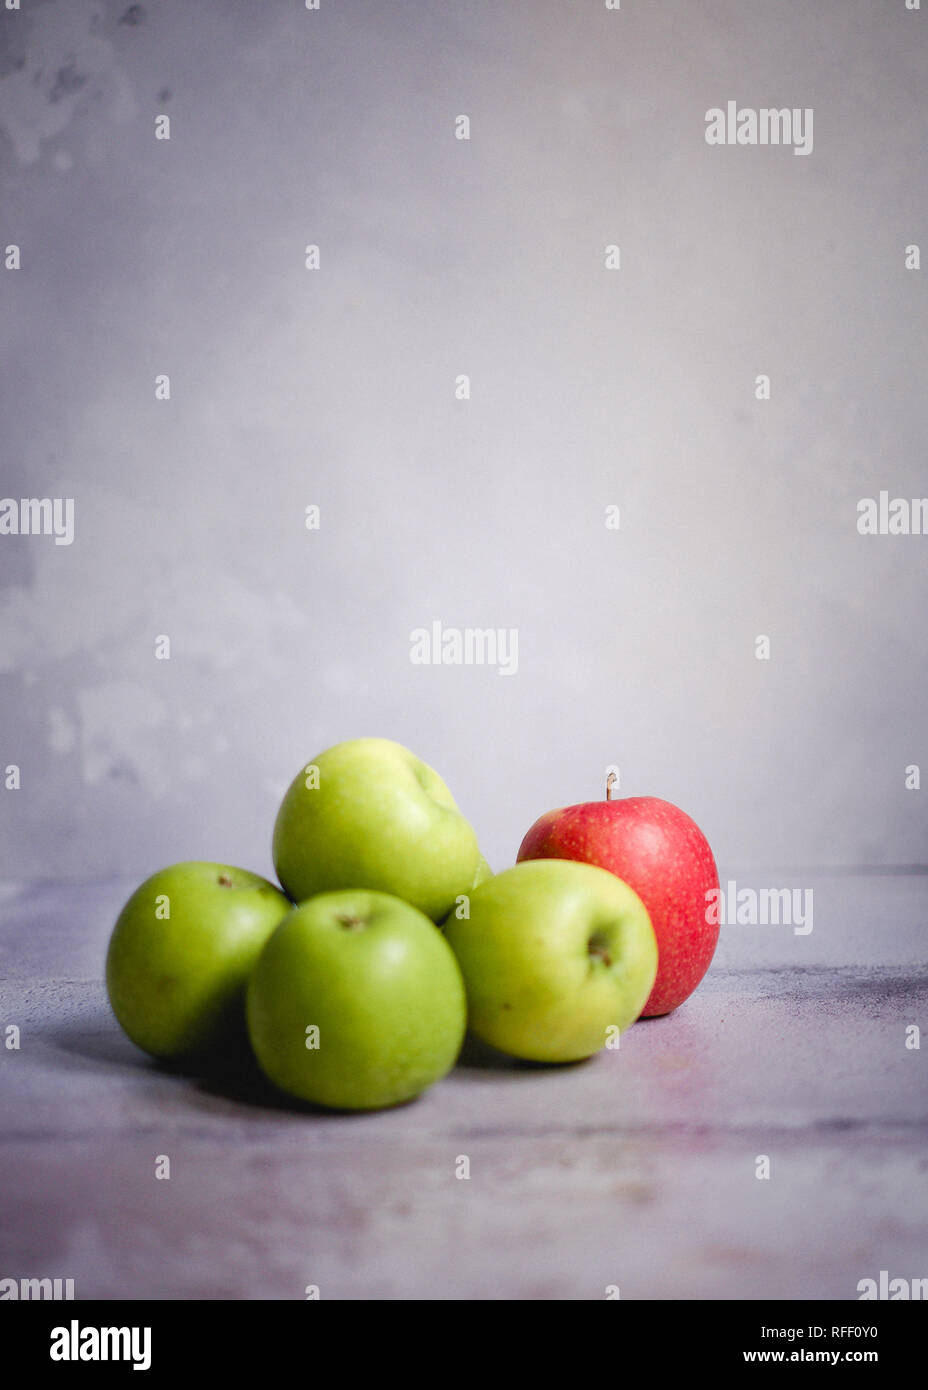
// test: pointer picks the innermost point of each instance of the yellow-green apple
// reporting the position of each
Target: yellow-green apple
(180, 956)
(657, 849)
(554, 955)
(356, 1002)
(370, 814)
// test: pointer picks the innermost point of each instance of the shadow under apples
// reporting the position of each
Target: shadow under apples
(479, 1056)
(98, 1042)
(246, 1084)
(236, 1077)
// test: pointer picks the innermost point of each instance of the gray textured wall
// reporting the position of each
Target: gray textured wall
(336, 387)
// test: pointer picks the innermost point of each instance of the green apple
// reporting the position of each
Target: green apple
(180, 956)
(356, 1002)
(370, 814)
(554, 954)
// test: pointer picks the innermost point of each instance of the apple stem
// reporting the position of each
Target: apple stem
(610, 783)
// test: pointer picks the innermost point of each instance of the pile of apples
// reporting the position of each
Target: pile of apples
(355, 985)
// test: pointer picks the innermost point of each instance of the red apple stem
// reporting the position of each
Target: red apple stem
(610, 783)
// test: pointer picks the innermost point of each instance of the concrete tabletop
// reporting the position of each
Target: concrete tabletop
(641, 1169)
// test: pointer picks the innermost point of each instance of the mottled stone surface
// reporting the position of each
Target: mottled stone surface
(635, 1169)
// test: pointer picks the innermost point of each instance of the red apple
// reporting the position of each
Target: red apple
(661, 853)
